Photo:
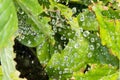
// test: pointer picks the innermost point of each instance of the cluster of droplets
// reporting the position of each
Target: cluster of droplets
(25, 29)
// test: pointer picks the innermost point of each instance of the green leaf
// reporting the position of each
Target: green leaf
(8, 27)
(44, 52)
(99, 53)
(72, 58)
(112, 14)
(87, 20)
(8, 21)
(39, 25)
(29, 35)
(28, 6)
(95, 73)
(114, 76)
(8, 63)
(44, 3)
(109, 31)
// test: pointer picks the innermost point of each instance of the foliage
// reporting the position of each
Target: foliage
(71, 42)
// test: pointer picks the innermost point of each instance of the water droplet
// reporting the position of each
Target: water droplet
(72, 78)
(66, 70)
(57, 0)
(84, 10)
(89, 55)
(29, 42)
(62, 38)
(68, 34)
(65, 58)
(20, 11)
(29, 56)
(32, 61)
(82, 18)
(86, 33)
(58, 68)
(76, 45)
(74, 10)
(81, 29)
(98, 45)
(81, 38)
(53, 21)
(91, 47)
(92, 40)
(59, 29)
(60, 77)
(60, 72)
(75, 55)
(54, 29)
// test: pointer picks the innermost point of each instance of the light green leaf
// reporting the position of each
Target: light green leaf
(8, 64)
(109, 31)
(8, 27)
(8, 21)
(114, 76)
(96, 72)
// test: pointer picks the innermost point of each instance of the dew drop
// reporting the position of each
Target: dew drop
(68, 34)
(59, 29)
(53, 21)
(89, 55)
(32, 61)
(91, 47)
(86, 33)
(74, 10)
(65, 58)
(29, 42)
(98, 45)
(81, 29)
(76, 45)
(62, 38)
(75, 54)
(60, 72)
(66, 70)
(82, 18)
(92, 40)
